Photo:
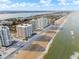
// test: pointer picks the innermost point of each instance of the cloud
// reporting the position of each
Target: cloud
(67, 2)
(5, 1)
(41, 5)
(62, 2)
(76, 2)
(45, 2)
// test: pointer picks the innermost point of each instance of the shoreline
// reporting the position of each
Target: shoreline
(35, 50)
(51, 41)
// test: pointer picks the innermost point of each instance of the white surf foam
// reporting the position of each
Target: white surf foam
(75, 55)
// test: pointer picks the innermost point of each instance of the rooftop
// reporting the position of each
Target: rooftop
(24, 25)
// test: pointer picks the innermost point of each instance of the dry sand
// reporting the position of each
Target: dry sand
(38, 46)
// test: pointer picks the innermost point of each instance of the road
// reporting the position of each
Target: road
(66, 43)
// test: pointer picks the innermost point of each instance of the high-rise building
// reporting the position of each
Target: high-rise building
(34, 24)
(40, 23)
(5, 36)
(24, 30)
(0, 42)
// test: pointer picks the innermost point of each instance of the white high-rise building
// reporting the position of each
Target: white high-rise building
(40, 23)
(5, 36)
(24, 30)
(34, 24)
(0, 42)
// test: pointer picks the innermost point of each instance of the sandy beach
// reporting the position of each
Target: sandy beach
(38, 46)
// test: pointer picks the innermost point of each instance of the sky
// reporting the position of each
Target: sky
(39, 5)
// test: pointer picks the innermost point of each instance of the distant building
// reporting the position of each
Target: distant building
(34, 24)
(5, 36)
(24, 30)
(40, 23)
(0, 42)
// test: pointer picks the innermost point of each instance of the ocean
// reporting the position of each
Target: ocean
(6, 15)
